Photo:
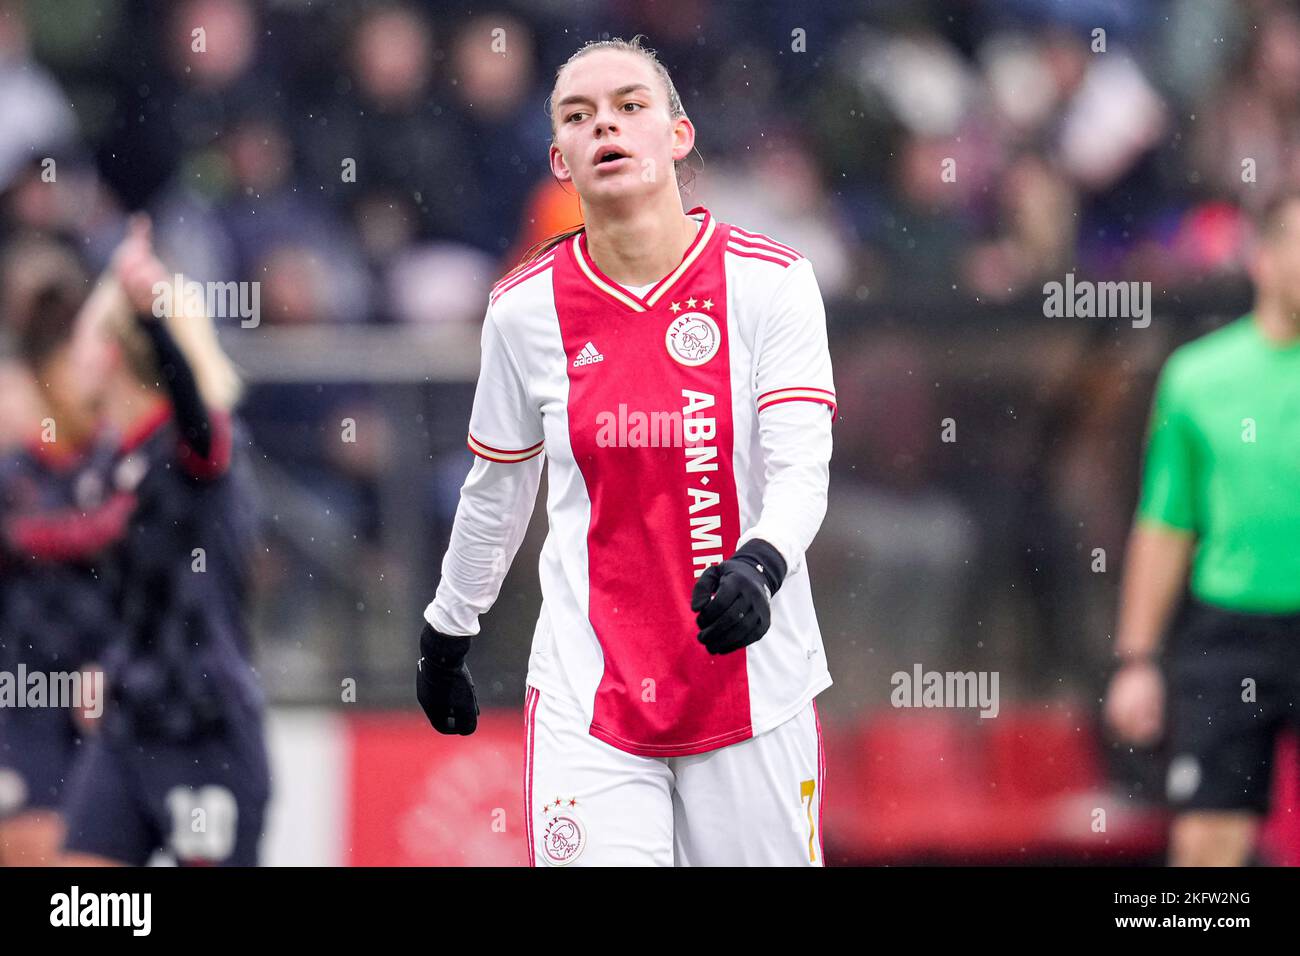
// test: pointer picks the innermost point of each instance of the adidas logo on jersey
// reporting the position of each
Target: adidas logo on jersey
(588, 356)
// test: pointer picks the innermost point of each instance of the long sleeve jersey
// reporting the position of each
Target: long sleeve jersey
(676, 425)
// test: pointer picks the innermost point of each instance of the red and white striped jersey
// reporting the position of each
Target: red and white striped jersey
(676, 425)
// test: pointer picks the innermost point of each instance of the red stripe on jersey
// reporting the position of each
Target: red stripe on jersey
(71, 534)
(819, 401)
(736, 251)
(764, 250)
(144, 426)
(523, 267)
(794, 388)
(661, 693)
(503, 461)
(798, 393)
(739, 234)
(512, 280)
(504, 455)
(219, 449)
(508, 451)
(511, 273)
(191, 462)
(530, 723)
(59, 456)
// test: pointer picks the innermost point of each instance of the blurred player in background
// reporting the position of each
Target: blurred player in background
(60, 518)
(674, 369)
(1221, 496)
(181, 763)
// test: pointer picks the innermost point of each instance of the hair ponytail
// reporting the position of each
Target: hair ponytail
(539, 249)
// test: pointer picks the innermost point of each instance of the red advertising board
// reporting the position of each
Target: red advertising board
(418, 798)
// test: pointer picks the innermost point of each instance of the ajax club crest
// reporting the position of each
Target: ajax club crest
(565, 837)
(693, 338)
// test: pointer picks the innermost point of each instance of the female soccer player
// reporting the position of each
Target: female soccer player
(674, 369)
(60, 519)
(180, 765)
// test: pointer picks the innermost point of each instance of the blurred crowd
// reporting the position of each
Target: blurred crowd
(386, 161)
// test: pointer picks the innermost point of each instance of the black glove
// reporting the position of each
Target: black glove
(733, 599)
(443, 684)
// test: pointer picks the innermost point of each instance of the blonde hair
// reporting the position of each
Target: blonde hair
(195, 335)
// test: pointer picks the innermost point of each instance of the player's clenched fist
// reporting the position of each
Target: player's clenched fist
(733, 599)
(443, 685)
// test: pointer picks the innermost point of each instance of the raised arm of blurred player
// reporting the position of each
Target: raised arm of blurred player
(1155, 571)
(200, 381)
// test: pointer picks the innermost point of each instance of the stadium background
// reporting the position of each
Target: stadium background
(977, 554)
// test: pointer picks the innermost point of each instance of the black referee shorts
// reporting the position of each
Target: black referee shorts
(1233, 682)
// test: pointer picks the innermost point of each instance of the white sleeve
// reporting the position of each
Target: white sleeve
(496, 502)
(794, 394)
(504, 425)
(499, 494)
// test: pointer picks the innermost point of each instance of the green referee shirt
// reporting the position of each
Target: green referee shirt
(1223, 462)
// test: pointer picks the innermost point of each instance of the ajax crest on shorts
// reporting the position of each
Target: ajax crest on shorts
(564, 837)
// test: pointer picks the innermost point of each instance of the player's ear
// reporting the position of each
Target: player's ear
(559, 168)
(683, 138)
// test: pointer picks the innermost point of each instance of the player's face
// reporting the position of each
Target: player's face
(614, 102)
(74, 398)
(1278, 271)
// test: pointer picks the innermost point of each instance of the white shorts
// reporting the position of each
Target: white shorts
(753, 803)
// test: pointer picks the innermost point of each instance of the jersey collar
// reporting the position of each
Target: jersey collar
(625, 297)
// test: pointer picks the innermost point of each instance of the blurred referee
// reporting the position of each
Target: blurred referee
(1220, 497)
